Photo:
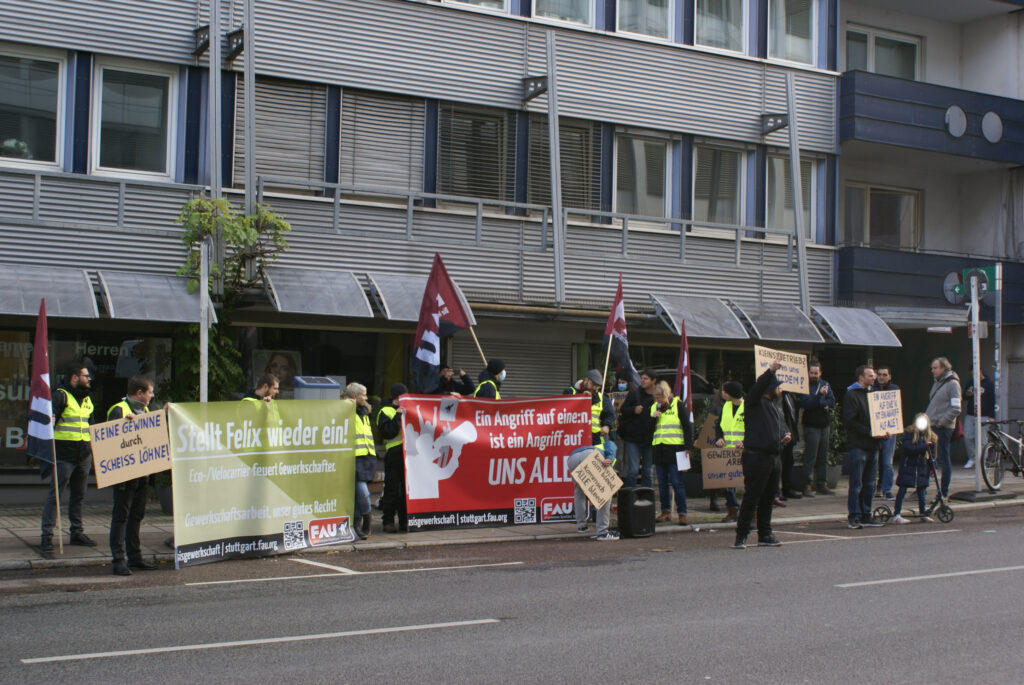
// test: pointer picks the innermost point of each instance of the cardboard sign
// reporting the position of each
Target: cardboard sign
(792, 373)
(722, 468)
(124, 449)
(597, 481)
(886, 409)
(706, 439)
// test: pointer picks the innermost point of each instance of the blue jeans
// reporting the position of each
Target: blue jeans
(922, 500)
(669, 474)
(610, 449)
(863, 472)
(885, 465)
(815, 455)
(362, 507)
(639, 460)
(942, 456)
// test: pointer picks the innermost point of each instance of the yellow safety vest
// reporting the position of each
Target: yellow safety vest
(497, 395)
(73, 424)
(364, 437)
(273, 416)
(389, 413)
(595, 419)
(732, 424)
(669, 429)
(125, 409)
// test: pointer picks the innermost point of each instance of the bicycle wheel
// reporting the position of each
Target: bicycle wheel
(882, 513)
(992, 465)
(944, 513)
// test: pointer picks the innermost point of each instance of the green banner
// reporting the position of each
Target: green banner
(258, 478)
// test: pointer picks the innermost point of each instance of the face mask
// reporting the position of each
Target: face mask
(622, 386)
(501, 376)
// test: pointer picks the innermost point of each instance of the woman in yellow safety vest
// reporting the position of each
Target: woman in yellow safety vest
(673, 431)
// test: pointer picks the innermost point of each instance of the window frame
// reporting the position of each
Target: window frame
(169, 71)
(812, 227)
(872, 33)
(60, 121)
(743, 41)
(468, 4)
(741, 179)
(814, 38)
(668, 141)
(866, 227)
(670, 38)
(589, 24)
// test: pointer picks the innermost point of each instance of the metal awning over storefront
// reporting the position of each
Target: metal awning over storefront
(705, 317)
(778, 322)
(68, 292)
(323, 292)
(852, 326)
(148, 297)
(923, 317)
(400, 296)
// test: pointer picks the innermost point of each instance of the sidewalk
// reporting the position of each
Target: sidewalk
(21, 507)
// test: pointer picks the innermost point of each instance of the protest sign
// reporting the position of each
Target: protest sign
(478, 463)
(706, 439)
(886, 409)
(722, 468)
(253, 479)
(124, 449)
(597, 481)
(792, 373)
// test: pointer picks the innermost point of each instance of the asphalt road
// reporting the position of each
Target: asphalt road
(676, 609)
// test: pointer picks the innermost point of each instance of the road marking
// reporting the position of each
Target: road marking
(261, 641)
(872, 537)
(340, 569)
(350, 572)
(817, 535)
(908, 579)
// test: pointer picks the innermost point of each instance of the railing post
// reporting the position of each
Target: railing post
(408, 216)
(37, 182)
(479, 221)
(738, 247)
(259, 190)
(337, 210)
(625, 233)
(120, 204)
(682, 241)
(544, 230)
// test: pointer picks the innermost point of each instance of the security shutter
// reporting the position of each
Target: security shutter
(580, 150)
(290, 125)
(476, 152)
(540, 368)
(382, 140)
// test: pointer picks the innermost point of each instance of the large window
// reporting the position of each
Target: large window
(29, 108)
(476, 152)
(641, 175)
(574, 11)
(579, 145)
(133, 119)
(719, 24)
(648, 17)
(882, 53)
(881, 217)
(780, 214)
(791, 30)
(488, 4)
(717, 185)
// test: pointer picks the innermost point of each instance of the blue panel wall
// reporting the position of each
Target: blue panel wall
(195, 87)
(332, 142)
(80, 123)
(227, 126)
(685, 21)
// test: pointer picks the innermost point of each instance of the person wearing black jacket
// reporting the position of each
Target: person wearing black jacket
(447, 384)
(389, 426)
(863, 449)
(636, 428)
(789, 416)
(764, 435)
(817, 405)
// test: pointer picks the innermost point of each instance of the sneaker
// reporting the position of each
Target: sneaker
(741, 542)
(853, 524)
(927, 519)
(769, 541)
(969, 464)
(141, 564)
(792, 494)
(582, 528)
(779, 503)
(808, 492)
(899, 519)
(825, 490)
(390, 528)
(46, 544)
(888, 497)
(82, 540)
(121, 569)
(872, 523)
(607, 536)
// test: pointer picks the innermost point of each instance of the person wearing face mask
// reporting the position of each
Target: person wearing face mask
(490, 380)
(636, 428)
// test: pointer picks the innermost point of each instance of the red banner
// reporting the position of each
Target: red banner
(483, 463)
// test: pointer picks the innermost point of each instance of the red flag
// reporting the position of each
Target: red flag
(39, 443)
(683, 387)
(615, 335)
(440, 314)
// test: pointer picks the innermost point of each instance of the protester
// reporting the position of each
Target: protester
(789, 418)
(817, 406)
(673, 433)
(581, 505)
(129, 496)
(863, 450)
(729, 433)
(988, 413)
(764, 434)
(888, 446)
(267, 388)
(73, 412)
(389, 425)
(637, 431)
(366, 459)
(918, 440)
(943, 408)
(491, 379)
(448, 385)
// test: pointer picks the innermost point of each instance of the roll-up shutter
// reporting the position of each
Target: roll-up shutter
(290, 126)
(382, 140)
(580, 151)
(476, 152)
(541, 366)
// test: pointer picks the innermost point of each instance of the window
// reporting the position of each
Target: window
(579, 144)
(780, 194)
(486, 4)
(719, 24)
(476, 152)
(882, 53)
(791, 30)
(574, 11)
(881, 217)
(717, 185)
(641, 176)
(382, 140)
(30, 108)
(648, 17)
(133, 115)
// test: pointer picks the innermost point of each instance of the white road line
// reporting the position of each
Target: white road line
(262, 641)
(339, 569)
(908, 579)
(817, 535)
(854, 538)
(350, 572)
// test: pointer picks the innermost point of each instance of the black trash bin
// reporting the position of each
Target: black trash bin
(636, 512)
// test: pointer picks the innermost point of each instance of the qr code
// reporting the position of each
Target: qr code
(293, 537)
(526, 510)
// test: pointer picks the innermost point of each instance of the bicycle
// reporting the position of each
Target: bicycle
(1002, 452)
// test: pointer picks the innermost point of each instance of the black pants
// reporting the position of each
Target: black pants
(125, 520)
(760, 479)
(74, 461)
(392, 501)
(787, 467)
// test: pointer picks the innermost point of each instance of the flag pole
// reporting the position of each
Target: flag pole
(478, 348)
(607, 358)
(56, 494)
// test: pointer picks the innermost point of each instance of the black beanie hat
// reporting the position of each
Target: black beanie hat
(495, 366)
(398, 389)
(733, 389)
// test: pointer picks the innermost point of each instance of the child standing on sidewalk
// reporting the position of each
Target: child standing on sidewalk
(917, 441)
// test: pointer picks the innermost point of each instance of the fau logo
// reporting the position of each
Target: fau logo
(324, 531)
(556, 509)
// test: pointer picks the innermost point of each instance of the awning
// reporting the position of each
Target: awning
(68, 292)
(323, 292)
(851, 326)
(400, 296)
(148, 297)
(923, 317)
(776, 321)
(705, 317)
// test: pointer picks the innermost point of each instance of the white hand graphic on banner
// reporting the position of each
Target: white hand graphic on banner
(428, 460)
